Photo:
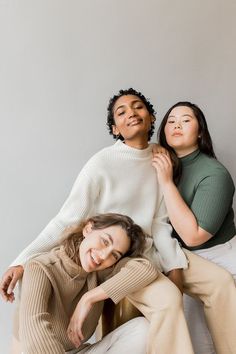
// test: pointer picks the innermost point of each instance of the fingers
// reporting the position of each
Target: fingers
(9, 281)
(156, 149)
(13, 282)
(161, 160)
(6, 280)
(75, 334)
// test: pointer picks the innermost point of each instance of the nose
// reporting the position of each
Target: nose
(105, 253)
(131, 112)
(178, 125)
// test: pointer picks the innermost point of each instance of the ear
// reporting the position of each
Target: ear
(87, 229)
(115, 130)
(153, 119)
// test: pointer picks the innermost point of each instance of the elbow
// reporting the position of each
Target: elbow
(192, 244)
(193, 241)
(196, 240)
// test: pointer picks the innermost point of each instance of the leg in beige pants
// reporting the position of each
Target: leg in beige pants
(161, 304)
(215, 287)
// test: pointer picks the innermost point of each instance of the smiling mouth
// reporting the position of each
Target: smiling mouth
(134, 122)
(94, 259)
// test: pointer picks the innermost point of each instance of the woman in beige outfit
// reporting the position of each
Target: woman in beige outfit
(80, 274)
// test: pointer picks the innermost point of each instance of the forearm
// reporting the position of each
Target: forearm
(46, 240)
(75, 209)
(95, 295)
(182, 218)
(130, 277)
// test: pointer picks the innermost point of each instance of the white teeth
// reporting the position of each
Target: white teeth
(95, 261)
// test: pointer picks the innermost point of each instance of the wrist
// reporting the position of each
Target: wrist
(166, 185)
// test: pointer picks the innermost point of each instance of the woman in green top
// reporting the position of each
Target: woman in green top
(198, 193)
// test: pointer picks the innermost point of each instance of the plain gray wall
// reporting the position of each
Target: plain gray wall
(60, 61)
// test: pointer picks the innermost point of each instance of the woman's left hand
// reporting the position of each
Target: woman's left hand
(74, 330)
(163, 165)
(157, 148)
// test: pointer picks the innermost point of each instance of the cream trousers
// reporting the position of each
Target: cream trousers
(130, 338)
(225, 256)
(161, 303)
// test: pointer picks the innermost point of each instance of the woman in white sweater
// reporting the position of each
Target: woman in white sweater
(121, 179)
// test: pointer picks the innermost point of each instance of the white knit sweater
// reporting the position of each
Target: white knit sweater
(117, 179)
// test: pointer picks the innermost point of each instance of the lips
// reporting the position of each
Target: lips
(134, 122)
(94, 259)
(177, 134)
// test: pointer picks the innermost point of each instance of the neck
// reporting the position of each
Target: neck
(139, 143)
(185, 151)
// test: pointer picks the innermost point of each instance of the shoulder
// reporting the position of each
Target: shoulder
(44, 260)
(99, 156)
(210, 167)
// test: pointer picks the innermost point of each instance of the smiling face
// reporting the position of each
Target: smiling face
(182, 130)
(101, 248)
(132, 119)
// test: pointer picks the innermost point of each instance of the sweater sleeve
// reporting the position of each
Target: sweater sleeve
(129, 275)
(212, 200)
(77, 207)
(171, 255)
(36, 334)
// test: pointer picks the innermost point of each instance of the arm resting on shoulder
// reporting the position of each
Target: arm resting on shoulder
(129, 275)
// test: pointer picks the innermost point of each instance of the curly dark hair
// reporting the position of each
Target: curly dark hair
(110, 112)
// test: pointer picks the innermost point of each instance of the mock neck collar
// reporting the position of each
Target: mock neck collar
(135, 152)
(188, 159)
(72, 268)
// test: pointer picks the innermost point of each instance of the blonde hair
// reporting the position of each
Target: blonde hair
(73, 235)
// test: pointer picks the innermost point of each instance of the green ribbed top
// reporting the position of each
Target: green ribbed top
(208, 189)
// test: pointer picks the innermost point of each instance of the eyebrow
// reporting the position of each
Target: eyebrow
(184, 115)
(132, 102)
(111, 240)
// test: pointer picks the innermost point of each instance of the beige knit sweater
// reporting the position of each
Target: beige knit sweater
(52, 286)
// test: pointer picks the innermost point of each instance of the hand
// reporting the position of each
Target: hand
(163, 165)
(8, 282)
(156, 149)
(74, 330)
(176, 276)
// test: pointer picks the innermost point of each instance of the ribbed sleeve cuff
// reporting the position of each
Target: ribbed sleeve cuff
(136, 274)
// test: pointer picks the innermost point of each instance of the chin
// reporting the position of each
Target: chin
(86, 267)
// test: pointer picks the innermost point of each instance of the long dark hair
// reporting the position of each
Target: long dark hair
(73, 235)
(204, 139)
(126, 92)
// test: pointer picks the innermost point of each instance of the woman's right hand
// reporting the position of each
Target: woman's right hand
(8, 282)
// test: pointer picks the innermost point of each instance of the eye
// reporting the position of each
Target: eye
(115, 255)
(105, 241)
(121, 113)
(170, 121)
(186, 120)
(139, 106)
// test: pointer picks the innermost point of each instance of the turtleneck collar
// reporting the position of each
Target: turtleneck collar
(72, 268)
(188, 159)
(133, 151)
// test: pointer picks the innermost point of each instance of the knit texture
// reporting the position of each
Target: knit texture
(53, 285)
(117, 179)
(207, 188)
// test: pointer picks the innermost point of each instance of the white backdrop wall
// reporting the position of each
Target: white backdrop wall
(60, 61)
